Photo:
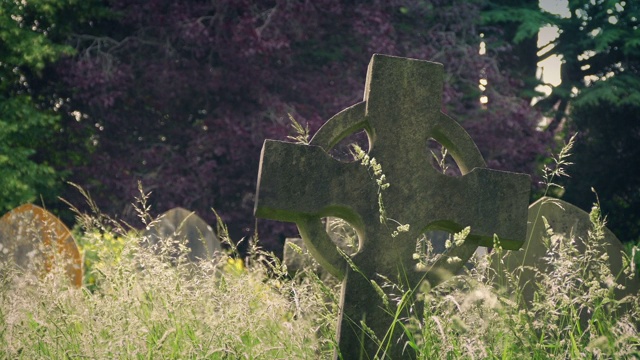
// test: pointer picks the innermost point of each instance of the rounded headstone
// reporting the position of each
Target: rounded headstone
(570, 222)
(33, 238)
(187, 227)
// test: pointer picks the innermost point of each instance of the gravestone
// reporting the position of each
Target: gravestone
(33, 238)
(568, 221)
(400, 113)
(297, 258)
(187, 228)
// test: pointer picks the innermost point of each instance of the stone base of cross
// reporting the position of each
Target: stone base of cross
(400, 113)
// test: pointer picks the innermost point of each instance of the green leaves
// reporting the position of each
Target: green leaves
(22, 42)
(530, 19)
(620, 90)
(20, 178)
(604, 39)
(633, 43)
(22, 126)
(27, 122)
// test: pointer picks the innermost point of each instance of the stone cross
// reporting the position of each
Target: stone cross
(400, 113)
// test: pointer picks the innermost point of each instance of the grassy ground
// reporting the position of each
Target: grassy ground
(140, 302)
(143, 302)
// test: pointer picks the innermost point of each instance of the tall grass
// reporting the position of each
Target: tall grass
(144, 302)
(574, 313)
(140, 302)
(473, 317)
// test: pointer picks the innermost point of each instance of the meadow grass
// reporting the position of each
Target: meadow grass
(473, 316)
(140, 302)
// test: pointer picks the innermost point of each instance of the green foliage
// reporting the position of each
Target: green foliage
(33, 36)
(26, 49)
(633, 252)
(100, 250)
(530, 20)
(618, 91)
(606, 159)
(599, 43)
(23, 40)
(598, 40)
(22, 126)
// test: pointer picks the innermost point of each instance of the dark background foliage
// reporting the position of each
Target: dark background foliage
(180, 95)
(599, 97)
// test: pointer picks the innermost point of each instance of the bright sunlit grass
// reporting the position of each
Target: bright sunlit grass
(140, 302)
(143, 303)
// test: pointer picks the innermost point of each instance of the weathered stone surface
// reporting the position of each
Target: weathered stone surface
(565, 220)
(400, 113)
(186, 227)
(297, 258)
(34, 239)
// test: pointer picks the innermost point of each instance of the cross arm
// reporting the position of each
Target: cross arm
(299, 181)
(301, 184)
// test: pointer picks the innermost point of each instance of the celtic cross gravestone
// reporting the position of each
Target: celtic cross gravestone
(400, 114)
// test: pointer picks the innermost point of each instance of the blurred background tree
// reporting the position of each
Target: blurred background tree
(599, 97)
(33, 36)
(180, 95)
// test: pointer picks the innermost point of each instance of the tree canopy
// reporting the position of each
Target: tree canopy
(33, 36)
(180, 95)
(599, 96)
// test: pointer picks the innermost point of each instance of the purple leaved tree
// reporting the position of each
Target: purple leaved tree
(180, 95)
